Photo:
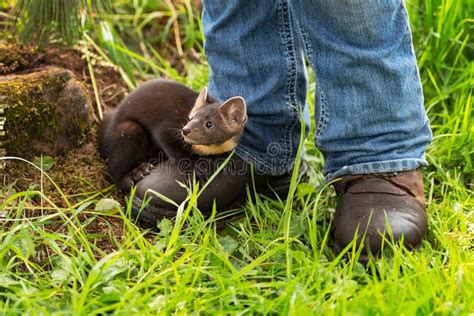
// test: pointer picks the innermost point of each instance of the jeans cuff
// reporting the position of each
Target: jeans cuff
(385, 166)
(270, 165)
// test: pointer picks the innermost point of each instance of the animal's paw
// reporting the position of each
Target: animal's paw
(134, 176)
(141, 171)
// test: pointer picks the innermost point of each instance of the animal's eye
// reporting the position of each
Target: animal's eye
(209, 125)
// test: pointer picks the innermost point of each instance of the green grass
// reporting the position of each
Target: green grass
(276, 258)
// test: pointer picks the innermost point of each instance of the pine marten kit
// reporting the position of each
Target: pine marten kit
(166, 120)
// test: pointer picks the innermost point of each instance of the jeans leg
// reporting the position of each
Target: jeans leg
(252, 51)
(370, 114)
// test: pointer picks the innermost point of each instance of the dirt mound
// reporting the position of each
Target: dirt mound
(77, 168)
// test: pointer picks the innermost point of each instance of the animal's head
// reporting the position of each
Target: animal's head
(213, 127)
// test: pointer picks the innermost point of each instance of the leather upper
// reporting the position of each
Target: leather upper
(372, 206)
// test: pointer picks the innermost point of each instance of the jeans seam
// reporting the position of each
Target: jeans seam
(254, 158)
(322, 120)
(288, 42)
(323, 113)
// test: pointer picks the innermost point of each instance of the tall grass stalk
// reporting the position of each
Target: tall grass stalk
(53, 20)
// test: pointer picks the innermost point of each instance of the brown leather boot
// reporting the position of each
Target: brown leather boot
(369, 202)
(228, 189)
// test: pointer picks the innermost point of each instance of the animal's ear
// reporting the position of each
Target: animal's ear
(234, 111)
(201, 99)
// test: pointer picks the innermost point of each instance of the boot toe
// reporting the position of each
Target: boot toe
(371, 224)
(372, 210)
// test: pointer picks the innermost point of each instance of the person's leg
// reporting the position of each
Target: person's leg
(370, 114)
(253, 52)
(370, 110)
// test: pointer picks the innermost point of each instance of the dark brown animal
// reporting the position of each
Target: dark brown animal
(165, 120)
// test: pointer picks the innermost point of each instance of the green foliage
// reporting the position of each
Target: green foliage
(53, 20)
(444, 33)
(45, 163)
(275, 259)
(163, 39)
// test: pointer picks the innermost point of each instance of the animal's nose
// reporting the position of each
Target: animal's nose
(186, 131)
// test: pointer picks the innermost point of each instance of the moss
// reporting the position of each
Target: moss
(14, 57)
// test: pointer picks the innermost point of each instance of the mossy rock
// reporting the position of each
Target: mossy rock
(45, 111)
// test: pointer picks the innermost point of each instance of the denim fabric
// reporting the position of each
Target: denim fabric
(369, 102)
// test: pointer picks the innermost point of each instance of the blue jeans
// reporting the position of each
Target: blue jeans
(369, 101)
